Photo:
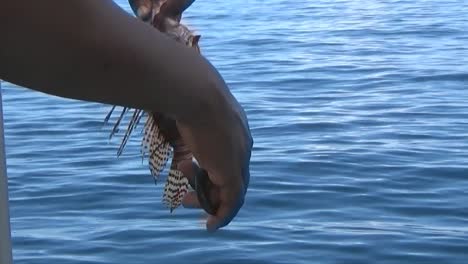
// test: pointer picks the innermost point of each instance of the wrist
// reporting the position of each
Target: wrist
(207, 106)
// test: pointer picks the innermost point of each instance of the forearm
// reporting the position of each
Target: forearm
(92, 50)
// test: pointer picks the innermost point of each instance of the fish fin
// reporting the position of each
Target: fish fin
(115, 129)
(147, 134)
(131, 125)
(176, 187)
(108, 116)
(158, 159)
(159, 151)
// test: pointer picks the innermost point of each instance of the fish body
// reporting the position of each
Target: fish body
(161, 138)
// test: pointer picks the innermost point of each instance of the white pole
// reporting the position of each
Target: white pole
(5, 235)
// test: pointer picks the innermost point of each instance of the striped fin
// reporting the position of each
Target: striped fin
(148, 134)
(176, 187)
(156, 145)
(133, 123)
(153, 143)
(158, 159)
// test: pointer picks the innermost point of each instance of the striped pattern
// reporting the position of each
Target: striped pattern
(158, 150)
(153, 145)
(156, 146)
(160, 137)
(176, 184)
(176, 187)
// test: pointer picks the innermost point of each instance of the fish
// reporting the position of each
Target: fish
(161, 139)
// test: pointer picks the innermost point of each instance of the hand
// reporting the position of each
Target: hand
(222, 146)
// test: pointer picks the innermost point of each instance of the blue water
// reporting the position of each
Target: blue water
(359, 111)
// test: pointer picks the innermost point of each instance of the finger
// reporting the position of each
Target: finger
(227, 210)
(190, 200)
(207, 192)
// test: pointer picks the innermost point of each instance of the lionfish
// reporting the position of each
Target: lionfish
(161, 137)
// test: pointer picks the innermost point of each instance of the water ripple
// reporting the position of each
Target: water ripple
(359, 116)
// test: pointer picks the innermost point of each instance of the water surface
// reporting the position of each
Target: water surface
(359, 111)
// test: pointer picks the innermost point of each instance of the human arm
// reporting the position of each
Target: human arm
(94, 51)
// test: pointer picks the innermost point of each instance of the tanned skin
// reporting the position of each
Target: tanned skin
(94, 51)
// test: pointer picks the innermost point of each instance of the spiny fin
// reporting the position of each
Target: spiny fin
(131, 125)
(158, 160)
(108, 116)
(157, 146)
(175, 189)
(115, 129)
(148, 134)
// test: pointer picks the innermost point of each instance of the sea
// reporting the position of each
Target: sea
(359, 113)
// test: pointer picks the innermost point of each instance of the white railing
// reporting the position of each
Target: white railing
(5, 234)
